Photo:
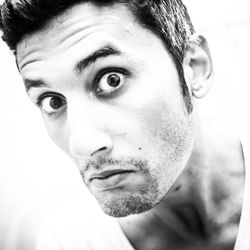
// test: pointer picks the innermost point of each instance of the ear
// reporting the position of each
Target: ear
(197, 66)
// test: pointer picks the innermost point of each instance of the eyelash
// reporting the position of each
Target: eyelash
(110, 70)
(47, 94)
(94, 84)
(105, 71)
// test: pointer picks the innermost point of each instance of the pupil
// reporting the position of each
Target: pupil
(114, 80)
(55, 103)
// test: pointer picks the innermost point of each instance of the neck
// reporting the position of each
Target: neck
(204, 203)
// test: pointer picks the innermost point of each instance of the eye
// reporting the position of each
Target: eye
(51, 103)
(110, 82)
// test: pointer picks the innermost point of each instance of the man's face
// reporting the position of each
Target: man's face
(111, 98)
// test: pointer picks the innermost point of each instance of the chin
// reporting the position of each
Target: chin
(133, 204)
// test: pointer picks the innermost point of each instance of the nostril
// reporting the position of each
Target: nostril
(99, 151)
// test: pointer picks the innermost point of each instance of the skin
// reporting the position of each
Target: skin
(143, 126)
(152, 133)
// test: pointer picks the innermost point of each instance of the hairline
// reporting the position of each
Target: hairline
(156, 27)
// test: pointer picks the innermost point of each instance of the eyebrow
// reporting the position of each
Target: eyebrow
(34, 84)
(102, 52)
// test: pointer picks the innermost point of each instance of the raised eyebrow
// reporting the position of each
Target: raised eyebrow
(104, 51)
(34, 84)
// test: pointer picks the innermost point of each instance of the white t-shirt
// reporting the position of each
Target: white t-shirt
(78, 226)
(81, 227)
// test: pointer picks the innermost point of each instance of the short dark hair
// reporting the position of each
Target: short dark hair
(168, 19)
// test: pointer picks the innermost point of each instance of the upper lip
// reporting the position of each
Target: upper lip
(107, 173)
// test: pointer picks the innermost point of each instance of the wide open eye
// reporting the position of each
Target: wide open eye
(51, 103)
(110, 82)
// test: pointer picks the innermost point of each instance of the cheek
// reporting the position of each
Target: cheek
(58, 132)
(152, 119)
(167, 129)
(167, 133)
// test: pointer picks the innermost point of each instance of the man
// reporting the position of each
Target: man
(117, 84)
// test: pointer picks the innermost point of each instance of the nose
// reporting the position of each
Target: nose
(87, 134)
(85, 143)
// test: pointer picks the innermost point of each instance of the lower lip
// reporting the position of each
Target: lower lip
(110, 182)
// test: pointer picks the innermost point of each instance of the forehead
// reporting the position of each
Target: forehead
(80, 22)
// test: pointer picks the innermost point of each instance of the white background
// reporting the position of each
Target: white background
(35, 176)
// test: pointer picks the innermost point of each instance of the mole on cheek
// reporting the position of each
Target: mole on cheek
(177, 188)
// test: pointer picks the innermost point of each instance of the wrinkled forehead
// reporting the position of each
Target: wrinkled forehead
(72, 25)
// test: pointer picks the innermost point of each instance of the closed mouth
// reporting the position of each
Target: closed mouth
(108, 173)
